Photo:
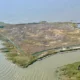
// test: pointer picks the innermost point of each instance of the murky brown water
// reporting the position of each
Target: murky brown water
(40, 70)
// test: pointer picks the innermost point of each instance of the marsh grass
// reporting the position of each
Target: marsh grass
(23, 60)
(70, 72)
(26, 59)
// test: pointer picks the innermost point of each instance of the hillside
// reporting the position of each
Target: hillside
(34, 37)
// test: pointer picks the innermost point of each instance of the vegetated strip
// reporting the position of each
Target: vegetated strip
(69, 72)
(25, 60)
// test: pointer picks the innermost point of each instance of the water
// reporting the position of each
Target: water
(40, 70)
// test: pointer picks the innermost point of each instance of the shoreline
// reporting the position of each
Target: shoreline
(38, 58)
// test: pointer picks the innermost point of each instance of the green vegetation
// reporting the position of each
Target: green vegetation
(70, 72)
(52, 52)
(27, 59)
(21, 60)
(12, 54)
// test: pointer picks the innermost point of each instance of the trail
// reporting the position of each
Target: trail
(40, 70)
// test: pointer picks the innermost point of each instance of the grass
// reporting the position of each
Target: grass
(23, 60)
(70, 72)
(26, 59)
